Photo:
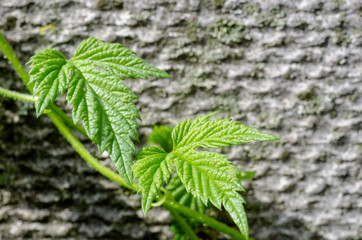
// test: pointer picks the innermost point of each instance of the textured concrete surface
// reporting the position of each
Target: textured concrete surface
(292, 68)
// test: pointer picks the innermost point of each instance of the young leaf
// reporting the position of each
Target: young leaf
(99, 98)
(245, 175)
(151, 182)
(153, 168)
(210, 176)
(161, 135)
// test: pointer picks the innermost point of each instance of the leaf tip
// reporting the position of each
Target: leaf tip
(165, 75)
(272, 137)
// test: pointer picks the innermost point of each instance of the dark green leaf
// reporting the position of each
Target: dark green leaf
(99, 98)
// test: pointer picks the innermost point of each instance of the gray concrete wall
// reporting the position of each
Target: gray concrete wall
(291, 68)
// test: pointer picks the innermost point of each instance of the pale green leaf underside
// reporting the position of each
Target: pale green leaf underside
(180, 194)
(98, 96)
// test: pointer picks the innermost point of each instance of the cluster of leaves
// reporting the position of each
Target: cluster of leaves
(161, 136)
(92, 79)
(208, 176)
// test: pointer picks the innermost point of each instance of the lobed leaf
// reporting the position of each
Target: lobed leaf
(211, 177)
(206, 174)
(99, 98)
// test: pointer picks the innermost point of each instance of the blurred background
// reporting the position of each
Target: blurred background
(290, 68)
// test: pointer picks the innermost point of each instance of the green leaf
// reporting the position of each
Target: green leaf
(245, 175)
(98, 96)
(216, 133)
(153, 168)
(48, 70)
(206, 174)
(104, 104)
(116, 59)
(209, 176)
(180, 194)
(161, 135)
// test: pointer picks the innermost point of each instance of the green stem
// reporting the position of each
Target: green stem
(184, 225)
(17, 95)
(68, 120)
(83, 152)
(10, 55)
(187, 212)
(29, 98)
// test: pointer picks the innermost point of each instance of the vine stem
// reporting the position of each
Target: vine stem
(83, 152)
(12, 58)
(58, 119)
(190, 213)
(16, 95)
(68, 120)
(181, 221)
(29, 98)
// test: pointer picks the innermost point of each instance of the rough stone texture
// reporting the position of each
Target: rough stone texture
(292, 68)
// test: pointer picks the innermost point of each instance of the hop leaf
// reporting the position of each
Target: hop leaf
(208, 176)
(99, 98)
